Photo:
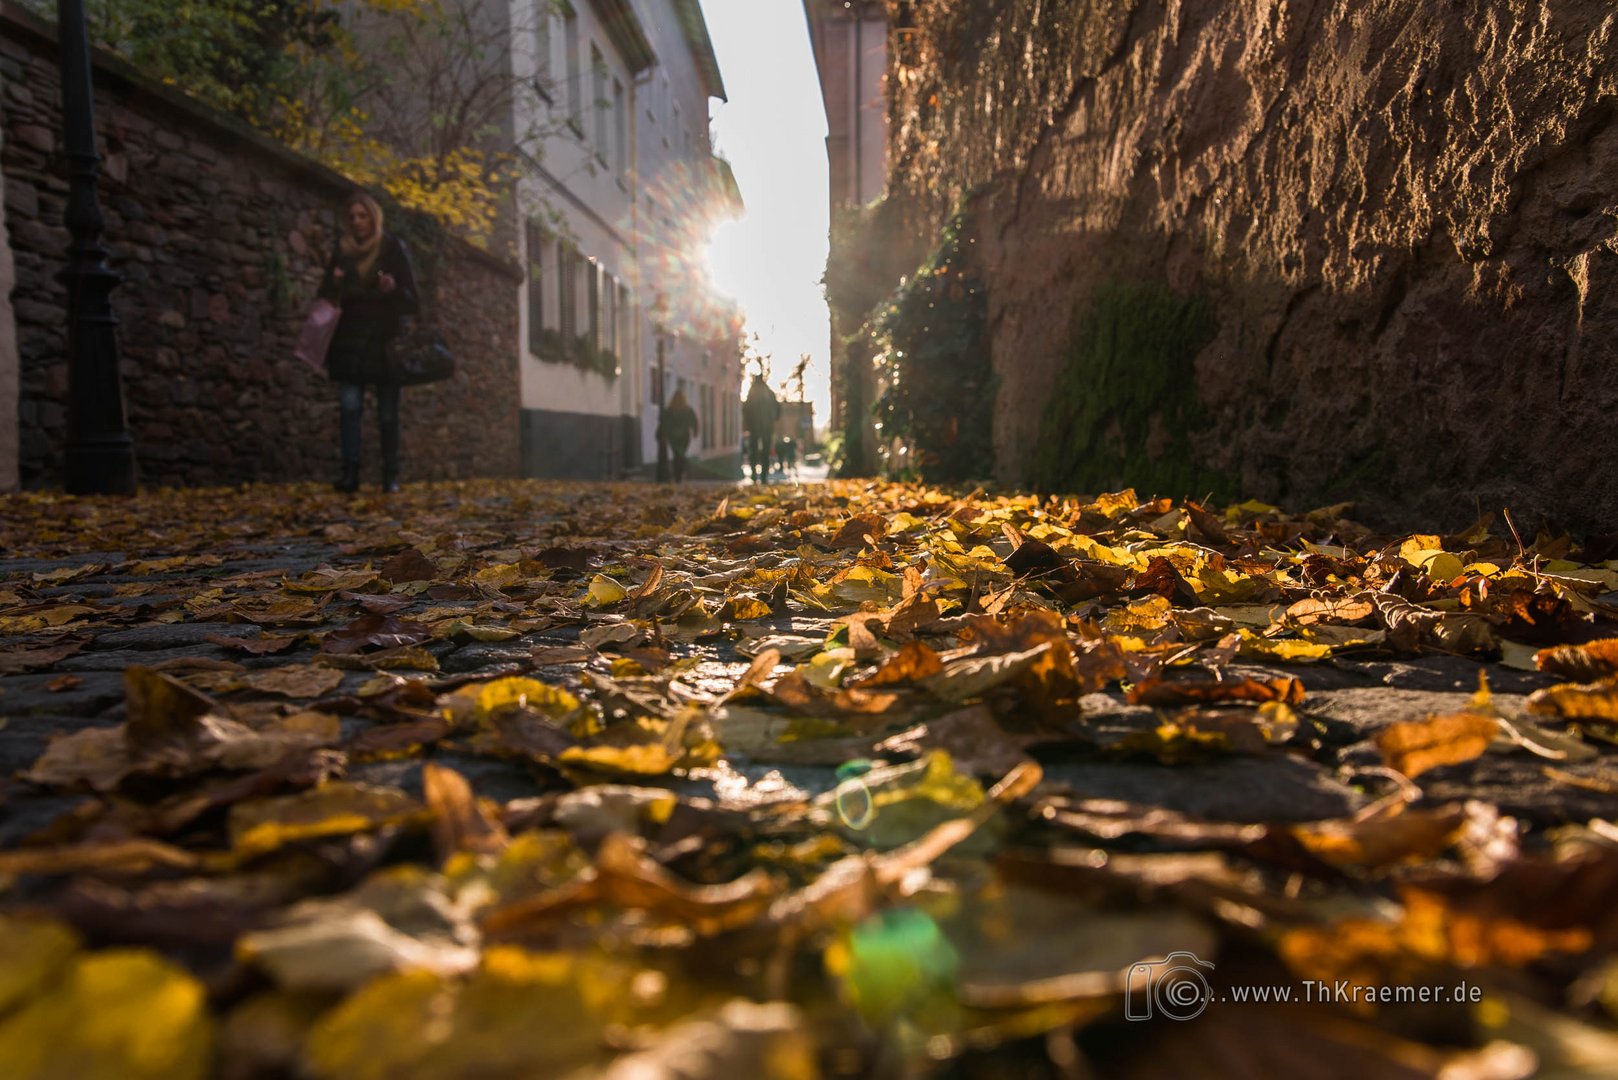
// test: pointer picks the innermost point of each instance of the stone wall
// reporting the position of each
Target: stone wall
(221, 237)
(9, 378)
(1400, 216)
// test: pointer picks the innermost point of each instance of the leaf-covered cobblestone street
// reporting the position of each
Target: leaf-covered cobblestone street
(504, 779)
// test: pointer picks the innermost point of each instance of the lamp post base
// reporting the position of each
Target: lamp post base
(101, 465)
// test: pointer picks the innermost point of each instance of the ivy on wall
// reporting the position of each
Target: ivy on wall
(938, 387)
(1121, 412)
(580, 351)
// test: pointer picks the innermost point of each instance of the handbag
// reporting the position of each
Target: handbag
(421, 357)
(315, 337)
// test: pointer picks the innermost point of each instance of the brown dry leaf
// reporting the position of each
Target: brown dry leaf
(624, 876)
(913, 663)
(1340, 611)
(741, 1039)
(264, 645)
(1416, 746)
(1405, 836)
(970, 677)
(1591, 662)
(460, 822)
(400, 740)
(98, 757)
(290, 611)
(133, 856)
(163, 714)
(295, 680)
(974, 739)
(1471, 939)
(856, 529)
(333, 809)
(372, 632)
(408, 565)
(915, 612)
(327, 580)
(1159, 692)
(1035, 558)
(1574, 701)
(30, 657)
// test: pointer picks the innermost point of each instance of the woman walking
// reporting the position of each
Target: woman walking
(371, 279)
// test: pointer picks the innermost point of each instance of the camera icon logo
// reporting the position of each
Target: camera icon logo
(1174, 986)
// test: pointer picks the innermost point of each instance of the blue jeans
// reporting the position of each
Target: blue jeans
(351, 397)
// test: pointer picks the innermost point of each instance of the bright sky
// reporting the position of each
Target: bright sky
(773, 131)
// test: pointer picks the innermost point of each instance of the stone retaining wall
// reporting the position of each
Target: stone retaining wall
(221, 236)
(1400, 216)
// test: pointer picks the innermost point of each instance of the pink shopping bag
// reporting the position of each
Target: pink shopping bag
(315, 337)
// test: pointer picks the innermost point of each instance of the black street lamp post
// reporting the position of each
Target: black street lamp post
(100, 451)
(662, 398)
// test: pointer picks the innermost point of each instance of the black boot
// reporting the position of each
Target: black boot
(390, 460)
(350, 481)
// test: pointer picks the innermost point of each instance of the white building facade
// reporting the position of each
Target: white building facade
(618, 192)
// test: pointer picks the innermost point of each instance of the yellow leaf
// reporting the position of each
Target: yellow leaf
(1425, 553)
(333, 809)
(641, 759)
(478, 702)
(31, 952)
(521, 1014)
(500, 576)
(1282, 648)
(1588, 662)
(124, 1013)
(1417, 746)
(604, 591)
(1576, 701)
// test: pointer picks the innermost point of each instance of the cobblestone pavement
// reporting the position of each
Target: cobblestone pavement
(141, 610)
(751, 649)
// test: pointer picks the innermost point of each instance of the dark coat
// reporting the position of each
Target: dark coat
(760, 411)
(371, 318)
(678, 426)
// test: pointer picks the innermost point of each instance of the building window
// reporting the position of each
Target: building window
(542, 48)
(609, 315)
(570, 43)
(626, 325)
(567, 293)
(536, 244)
(620, 123)
(592, 285)
(600, 103)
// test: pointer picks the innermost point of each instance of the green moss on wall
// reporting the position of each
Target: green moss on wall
(1121, 412)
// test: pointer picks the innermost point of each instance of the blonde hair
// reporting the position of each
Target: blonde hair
(363, 253)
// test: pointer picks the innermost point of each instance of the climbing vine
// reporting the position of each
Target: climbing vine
(937, 386)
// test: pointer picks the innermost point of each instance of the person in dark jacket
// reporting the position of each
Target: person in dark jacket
(371, 279)
(678, 427)
(759, 413)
